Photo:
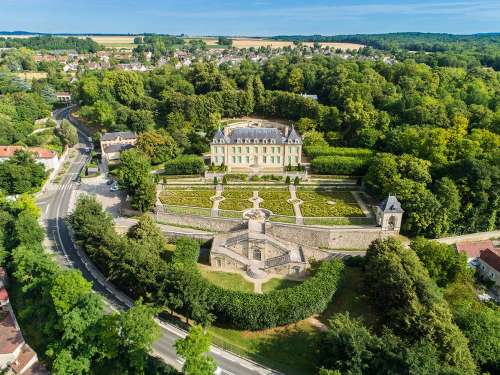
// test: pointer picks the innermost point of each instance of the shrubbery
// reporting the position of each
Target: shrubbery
(315, 151)
(185, 164)
(343, 165)
(259, 311)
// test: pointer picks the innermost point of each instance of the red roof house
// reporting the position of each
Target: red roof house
(472, 249)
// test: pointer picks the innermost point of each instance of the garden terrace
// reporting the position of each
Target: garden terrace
(277, 202)
(326, 203)
(192, 198)
(236, 199)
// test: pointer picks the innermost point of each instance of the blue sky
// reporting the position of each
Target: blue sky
(250, 17)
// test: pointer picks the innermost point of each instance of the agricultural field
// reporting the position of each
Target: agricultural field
(125, 42)
(192, 198)
(257, 42)
(324, 203)
(276, 201)
(236, 199)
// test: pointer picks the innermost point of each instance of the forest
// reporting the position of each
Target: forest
(50, 43)
(434, 131)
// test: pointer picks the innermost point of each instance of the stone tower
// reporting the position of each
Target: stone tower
(390, 214)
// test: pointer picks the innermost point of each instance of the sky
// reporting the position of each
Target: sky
(250, 17)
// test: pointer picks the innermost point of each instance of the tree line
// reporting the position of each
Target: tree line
(63, 319)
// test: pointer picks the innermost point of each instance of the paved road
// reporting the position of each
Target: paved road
(54, 204)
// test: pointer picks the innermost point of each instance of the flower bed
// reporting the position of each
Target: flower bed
(192, 198)
(317, 204)
(236, 200)
(277, 202)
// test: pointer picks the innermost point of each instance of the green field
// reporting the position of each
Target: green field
(236, 199)
(226, 280)
(325, 203)
(276, 201)
(192, 198)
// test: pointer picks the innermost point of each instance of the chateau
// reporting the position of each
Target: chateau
(252, 147)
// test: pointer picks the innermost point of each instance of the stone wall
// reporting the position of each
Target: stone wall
(213, 224)
(334, 238)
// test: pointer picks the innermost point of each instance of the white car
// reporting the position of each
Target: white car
(114, 187)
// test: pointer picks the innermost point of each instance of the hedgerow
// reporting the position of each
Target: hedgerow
(185, 164)
(343, 165)
(279, 307)
(315, 151)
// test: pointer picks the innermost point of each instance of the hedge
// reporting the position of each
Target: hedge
(342, 165)
(185, 164)
(260, 311)
(315, 151)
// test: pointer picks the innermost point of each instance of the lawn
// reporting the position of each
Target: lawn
(291, 349)
(276, 201)
(275, 284)
(192, 198)
(325, 203)
(226, 280)
(236, 199)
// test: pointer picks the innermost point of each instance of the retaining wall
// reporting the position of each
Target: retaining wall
(212, 224)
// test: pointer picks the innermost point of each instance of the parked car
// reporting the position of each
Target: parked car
(114, 187)
(110, 182)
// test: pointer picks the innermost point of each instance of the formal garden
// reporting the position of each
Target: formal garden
(317, 205)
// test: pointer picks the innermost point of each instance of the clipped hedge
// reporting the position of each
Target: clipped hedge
(315, 151)
(260, 311)
(342, 165)
(185, 165)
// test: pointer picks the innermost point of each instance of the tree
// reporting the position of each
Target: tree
(158, 145)
(141, 120)
(296, 81)
(68, 133)
(193, 349)
(442, 261)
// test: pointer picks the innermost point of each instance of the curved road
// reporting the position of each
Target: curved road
(54, 202)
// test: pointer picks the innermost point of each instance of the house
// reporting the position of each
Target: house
(63, 97)
(489, 267)
(113, 144)
(472, 249)
(309, 96)
(16, 357)
(251, 147)
(48, 158)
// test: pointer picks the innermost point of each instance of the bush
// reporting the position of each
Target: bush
(279, 307)
(315, 151)
(185, 164)
(343, 165)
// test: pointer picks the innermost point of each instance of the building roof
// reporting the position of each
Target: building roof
(25, 357)
(391, 205)
(40, 152)
(114, 136)
(10, 336)
(492, 258)
(255, 133)
(294, 136)
(472, 249)
(4, 296)
(117, 148)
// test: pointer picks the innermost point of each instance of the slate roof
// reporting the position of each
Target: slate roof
(293, 136)
(113, 136)
(255, 133)
(391, 204)
(117, 148)
(492, 258)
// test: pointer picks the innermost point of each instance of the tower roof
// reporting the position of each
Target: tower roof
(293, 136)
(391, 205)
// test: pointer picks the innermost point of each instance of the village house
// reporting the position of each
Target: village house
(16, 357)
(48, 158)
(472, 249)
(251, 147)
(63, 97)
(113, 144)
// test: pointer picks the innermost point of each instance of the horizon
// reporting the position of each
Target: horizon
(255, 18)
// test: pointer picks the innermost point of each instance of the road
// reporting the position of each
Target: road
(54, 202)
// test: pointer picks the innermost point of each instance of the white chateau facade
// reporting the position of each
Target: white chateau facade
(249, 147)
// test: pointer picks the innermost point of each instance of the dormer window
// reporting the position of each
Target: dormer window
(221, 140)
(264, 141)
(290, 141)
(297, 141)
(255, 140)
(238, 140)
(273, 141)
(247, 140)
